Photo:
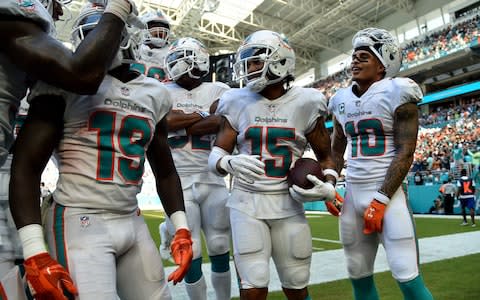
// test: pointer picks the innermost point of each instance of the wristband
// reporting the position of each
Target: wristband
(32, 240)
(203, 114)
(381, 197)
(216, 154)
(179, 220)
(120, 8)
(331, 172)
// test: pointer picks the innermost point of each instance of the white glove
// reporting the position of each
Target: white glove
(243, 166)
(321, 191)
(124, 9)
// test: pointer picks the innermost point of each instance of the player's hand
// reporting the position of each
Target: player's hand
(182, 253)
(47, 279)
(321, 191)
(245, 167)
(373, 217)
(335, 207)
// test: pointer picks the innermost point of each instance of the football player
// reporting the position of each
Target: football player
(29, 51)
(93, 226)
(191, 130)
(377, 116)
(155, 45)
(270, 123)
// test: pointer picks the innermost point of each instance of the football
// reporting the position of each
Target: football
(298, 173)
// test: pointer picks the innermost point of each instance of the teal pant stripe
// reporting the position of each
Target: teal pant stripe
(195, 271)
(59, 231)
(220, 263)
(21, 267)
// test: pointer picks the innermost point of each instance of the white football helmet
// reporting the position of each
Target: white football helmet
(383, 45)
(159, 30)
(277, 55)
(87, 20)
(184, 55)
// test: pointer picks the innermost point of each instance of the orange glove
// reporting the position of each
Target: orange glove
(335, 207)
(182, 254)
(47, 279)
(373, 217)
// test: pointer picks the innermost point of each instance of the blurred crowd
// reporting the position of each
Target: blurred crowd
(448, 141)
(451, 38)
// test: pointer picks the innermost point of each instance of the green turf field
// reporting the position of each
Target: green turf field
(451, 279)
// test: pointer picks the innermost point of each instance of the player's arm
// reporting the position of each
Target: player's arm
(209, 124)
(178, 120)
(221, 162)
(169, 189)
(37, 138)
(339, 144)
(45, 58)
(319, 140)
(196, 123)
(34, 145)
(405, 128)
(168, 183)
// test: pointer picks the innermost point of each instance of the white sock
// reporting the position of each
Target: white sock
(197, 290)
(221, 283)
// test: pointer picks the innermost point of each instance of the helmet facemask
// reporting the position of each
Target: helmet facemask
(186, 55)
(158, 29)
(86, 22)
(277, 56)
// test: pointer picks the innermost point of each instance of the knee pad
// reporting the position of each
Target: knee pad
(220, 263)
(296, 277)
(195, 271)
(302, 243)
(257, 275)
(218, 244)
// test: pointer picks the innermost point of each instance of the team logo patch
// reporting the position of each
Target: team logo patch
(84, 221)
(125, 91)
(272, 108)
(357, 103)
(26, 5)
(341, 108)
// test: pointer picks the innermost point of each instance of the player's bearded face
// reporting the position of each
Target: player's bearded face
(254, 65)
(365, 66)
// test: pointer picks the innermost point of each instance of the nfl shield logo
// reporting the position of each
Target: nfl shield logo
(84, 221)
(125, 91)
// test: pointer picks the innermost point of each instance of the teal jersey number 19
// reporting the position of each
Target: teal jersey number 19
(132, 134)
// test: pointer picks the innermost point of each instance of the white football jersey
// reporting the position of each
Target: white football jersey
(152, 62)
(13, 81)
(367, 122)
(273, 129)
(102, 152)
(190, 153)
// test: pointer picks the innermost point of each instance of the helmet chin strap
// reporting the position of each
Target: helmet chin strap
(193, 76)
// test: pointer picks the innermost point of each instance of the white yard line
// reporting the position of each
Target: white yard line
(330, 265)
